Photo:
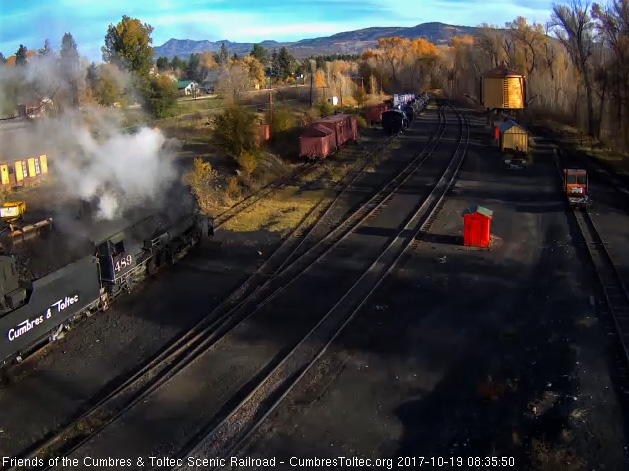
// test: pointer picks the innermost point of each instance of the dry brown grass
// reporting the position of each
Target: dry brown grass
(278, 213)
(233, 188)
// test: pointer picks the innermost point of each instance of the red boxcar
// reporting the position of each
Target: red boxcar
(317, 142)
(373, 114)
(344, 126)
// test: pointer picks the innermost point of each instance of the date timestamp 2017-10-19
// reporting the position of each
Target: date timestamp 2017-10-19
(456, 461)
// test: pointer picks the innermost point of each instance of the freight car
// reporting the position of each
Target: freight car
(373, 114)
(394, 122)
(327, 135)
(49, 282)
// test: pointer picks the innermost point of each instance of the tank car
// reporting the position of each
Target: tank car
(394, 122)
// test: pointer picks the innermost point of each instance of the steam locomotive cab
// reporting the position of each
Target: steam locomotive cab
(115, 261)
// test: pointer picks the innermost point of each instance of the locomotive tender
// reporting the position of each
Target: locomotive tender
(88, 271)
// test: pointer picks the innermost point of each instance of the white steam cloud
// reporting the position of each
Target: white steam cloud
(89, 157)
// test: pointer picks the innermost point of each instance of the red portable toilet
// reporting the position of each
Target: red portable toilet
(476, 223)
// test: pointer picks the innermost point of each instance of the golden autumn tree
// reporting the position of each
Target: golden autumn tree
(319, 79)
(255, 69)
(393, 50)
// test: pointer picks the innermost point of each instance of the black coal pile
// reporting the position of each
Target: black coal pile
(39, 256)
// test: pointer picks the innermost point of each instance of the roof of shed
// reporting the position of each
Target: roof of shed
(480, 210)
(502, 71)
(184, 83)
(508, 124)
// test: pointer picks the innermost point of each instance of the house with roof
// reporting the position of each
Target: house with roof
(186, 87)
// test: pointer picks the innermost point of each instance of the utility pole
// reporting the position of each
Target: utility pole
(311, 84)
(270, 110)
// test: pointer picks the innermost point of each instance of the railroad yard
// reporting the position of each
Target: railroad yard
(370, 331)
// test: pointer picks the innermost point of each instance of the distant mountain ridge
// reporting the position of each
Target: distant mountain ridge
(349, 42)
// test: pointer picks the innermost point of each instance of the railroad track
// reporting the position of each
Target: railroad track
(263, 192)
(227, 316)
(279, 183)
(614, 290)
(615, 294)
(177, 355)
(231, 435)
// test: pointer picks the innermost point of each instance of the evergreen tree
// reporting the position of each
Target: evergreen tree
(46, 50)
(192, 68)
(20, 56)
(284, 63)
(69, 58)
(275, 64)
(260, 53)
(162, 64)
(223, 55)
(3, 59)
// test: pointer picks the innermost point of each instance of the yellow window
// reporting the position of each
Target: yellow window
(4, 174)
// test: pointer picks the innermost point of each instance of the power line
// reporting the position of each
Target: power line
(43, 103)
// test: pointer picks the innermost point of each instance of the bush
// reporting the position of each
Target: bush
(203, 181)
(360, 96)
(310, 116)
(233, 189)
(248, 162)
(234, 131)
(283, 120)
(160, 96)
(326, 108)
(361, 122)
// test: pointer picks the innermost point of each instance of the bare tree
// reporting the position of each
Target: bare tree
(573, 26)
(234, 82)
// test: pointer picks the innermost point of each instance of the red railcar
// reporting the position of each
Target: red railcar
(344, 126)
(317, 142)
(373, 114)
(328, 134)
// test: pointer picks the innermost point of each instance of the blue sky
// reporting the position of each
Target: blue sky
(29, 22)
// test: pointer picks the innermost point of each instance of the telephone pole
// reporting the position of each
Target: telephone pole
(270, 110)
(311, 84)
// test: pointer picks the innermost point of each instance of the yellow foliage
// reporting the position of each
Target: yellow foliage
(248, 162)
(233, 189)
(202, 180)
(319, 79)
(206, 61)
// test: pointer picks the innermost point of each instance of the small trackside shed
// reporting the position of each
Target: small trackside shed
(513, 136)
(476, 224)
(344, 126)
(317, 142)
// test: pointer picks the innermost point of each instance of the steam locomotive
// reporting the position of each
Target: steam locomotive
(48, 282)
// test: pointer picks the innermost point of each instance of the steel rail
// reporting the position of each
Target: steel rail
(170, 355)
(229, 436)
